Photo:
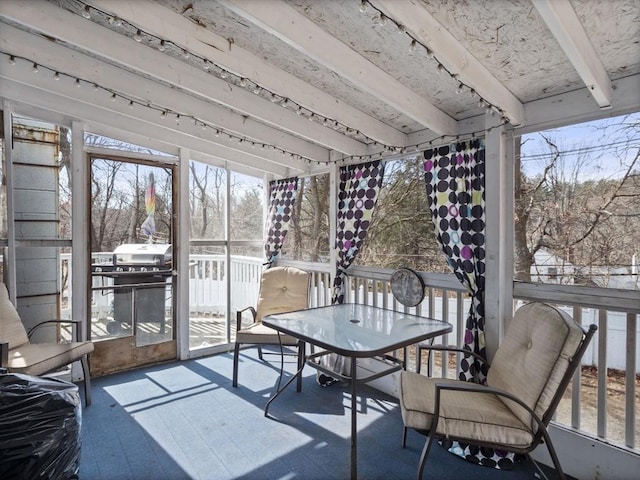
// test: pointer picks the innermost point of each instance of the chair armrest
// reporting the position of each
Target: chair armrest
(56, 321)
(4, 354)
(474, 387)
(239, 316)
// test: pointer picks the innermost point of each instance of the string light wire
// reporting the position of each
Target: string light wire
(227, 75)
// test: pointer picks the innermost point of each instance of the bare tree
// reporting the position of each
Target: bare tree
(567, 210)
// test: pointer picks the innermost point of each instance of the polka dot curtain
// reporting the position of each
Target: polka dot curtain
(357, 195)
(454, 177)
(282, 196)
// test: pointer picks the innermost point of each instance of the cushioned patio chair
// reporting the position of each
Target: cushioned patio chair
(282, 289)
(19, 355)
(530, 372)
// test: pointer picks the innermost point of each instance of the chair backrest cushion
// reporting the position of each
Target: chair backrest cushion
(282, 289)
(534, 356)
(11, 328)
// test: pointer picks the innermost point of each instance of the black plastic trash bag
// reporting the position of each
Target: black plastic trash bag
(40, 421)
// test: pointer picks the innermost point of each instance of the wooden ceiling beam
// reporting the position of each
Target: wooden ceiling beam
(22, 85)
(297, 31)
(27, 45)
(164, 23)
(424, 28)
(564, 24)
(66, 27)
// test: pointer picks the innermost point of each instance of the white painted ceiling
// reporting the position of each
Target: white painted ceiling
(289, 86)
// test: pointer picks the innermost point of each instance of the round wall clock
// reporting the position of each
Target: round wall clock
(407, 287)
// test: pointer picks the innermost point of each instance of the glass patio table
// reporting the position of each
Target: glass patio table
(354, 331)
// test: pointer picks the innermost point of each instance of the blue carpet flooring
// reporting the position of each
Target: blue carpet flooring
(184, 420)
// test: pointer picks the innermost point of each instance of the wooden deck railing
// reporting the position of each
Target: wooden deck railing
(603, 400)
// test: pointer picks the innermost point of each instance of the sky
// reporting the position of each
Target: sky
(599, 149)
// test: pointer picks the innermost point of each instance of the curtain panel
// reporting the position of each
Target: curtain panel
(455, 181)
(358, 191)
(454, 177)
(282, 197)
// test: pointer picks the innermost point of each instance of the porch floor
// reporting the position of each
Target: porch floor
(184, 420)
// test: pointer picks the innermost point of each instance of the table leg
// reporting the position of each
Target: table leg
(354, 422)
(298, 374)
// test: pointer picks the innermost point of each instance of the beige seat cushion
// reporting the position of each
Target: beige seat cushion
(11, 328)
(282, 289)
(467, 415)
(533, 356)
(41, 358)
(259, 333)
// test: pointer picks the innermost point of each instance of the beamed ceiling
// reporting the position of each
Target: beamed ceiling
(290, 86)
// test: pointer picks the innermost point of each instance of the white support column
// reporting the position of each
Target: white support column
(182, 250)
(80, 245)
(10, 261)
(499, 186)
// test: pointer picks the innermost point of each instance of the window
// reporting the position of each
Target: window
(577, 201)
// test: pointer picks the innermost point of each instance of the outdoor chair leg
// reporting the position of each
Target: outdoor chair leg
(404, 437)
(552, 453)
(425, 454)
(260, 353)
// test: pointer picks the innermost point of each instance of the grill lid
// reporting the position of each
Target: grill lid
(142, 254)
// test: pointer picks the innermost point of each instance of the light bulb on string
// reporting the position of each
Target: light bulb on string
(86, 13)
(78, 83)
(56, 76)
(413, 46)
(162, 47)
(138, 36)
(113, 97)
(35, 68)
(363, 6)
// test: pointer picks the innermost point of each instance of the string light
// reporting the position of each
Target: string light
(164, 112)
(381, 18)
(243, 81)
